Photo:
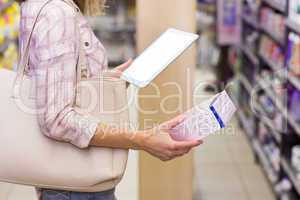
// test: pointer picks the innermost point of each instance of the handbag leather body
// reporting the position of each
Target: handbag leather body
(28, 157)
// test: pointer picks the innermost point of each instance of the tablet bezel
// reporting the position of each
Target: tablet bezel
(144, 83)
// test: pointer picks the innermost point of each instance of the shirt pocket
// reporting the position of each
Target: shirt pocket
(55, 50)
(88, 40)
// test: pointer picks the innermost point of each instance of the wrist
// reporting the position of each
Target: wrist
(140, 139)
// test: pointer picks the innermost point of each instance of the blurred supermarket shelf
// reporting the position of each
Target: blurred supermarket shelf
(250, 20)
(280, 105)
(277, 6)
(293, 25)
(245, 82)
(263, 117)
(4, 46)
(249, 54)
(269, 68)
(246, 124)
(257, 148)
(271, 174)
(291, 173)
(294, 80)
(6, 5)
(273, 36)
(271, 64)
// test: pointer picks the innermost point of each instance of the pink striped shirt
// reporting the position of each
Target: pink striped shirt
(52, 65)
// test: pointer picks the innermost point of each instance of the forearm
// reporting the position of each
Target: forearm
(110, 137)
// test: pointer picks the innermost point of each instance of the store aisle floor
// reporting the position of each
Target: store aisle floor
(225, 167)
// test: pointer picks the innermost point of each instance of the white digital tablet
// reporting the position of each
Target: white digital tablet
(158, 56)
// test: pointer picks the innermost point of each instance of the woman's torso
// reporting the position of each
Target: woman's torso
(96, 58)
(53, 58)
(52, 49)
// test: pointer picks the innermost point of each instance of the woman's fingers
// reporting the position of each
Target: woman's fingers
(121, 68)
(117, 72)
(181, 148)
(187, 144)
(179, 153)
(182, 152)
(160, 144)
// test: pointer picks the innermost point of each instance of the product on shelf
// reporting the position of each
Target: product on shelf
(250, 40)
(9, 26)
(271, 52)
(229, 22)
(4, 2)
(250, 9)
(208, 53)
(293, 54)
(9, 22)
(274, 84)
(296, 158)
(273, 153)
(206, 1)
(234, 58)
(281, 3)
(268, 105)
(253, 5)
(9, 58)
(283, 188)
(116, 30)
(294, 103)
(294, 11)
(263, 134)
(279, 122)
(271, 150)
(272, 22)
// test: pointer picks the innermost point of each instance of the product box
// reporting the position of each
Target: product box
(205, 118)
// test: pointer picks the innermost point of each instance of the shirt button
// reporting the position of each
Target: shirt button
(87, 44)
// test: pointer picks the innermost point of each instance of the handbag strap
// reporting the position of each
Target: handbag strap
(24, 60)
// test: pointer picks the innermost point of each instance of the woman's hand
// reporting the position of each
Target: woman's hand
(117, 72)
(157, 141)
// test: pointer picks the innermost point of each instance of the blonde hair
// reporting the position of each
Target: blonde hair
(88, 7)
(91, 7)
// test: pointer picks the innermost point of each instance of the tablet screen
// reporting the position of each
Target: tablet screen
(158, 56)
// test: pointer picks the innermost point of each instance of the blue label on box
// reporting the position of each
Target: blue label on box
(217, 116)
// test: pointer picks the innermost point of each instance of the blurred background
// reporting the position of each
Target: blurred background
(251, 48)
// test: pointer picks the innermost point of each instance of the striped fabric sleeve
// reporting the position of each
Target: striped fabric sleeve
(55, 74)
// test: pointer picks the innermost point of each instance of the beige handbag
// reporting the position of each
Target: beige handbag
(28, 157)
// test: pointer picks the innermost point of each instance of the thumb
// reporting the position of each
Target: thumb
(173, 122)
(124, 66)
